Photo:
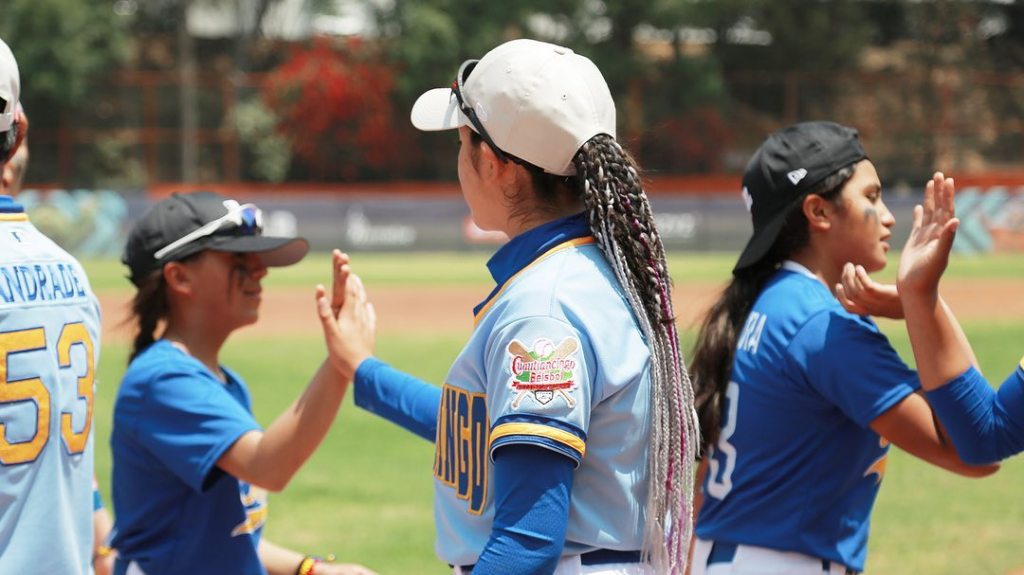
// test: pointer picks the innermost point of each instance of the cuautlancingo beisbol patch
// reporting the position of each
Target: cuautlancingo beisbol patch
(543, 372)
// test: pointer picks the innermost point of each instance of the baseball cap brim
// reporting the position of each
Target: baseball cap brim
(436, 110)
(759, 244)
(273, 251)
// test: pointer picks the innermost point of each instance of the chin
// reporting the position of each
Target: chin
(877, 265)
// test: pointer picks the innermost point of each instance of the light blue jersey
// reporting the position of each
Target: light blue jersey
(556, 360)
(49, 350)
(796, 467)
(177, 512)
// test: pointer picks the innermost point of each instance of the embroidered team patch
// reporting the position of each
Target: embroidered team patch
(544, 372)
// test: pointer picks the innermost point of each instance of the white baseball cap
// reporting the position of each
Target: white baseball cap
(9, 87)
(536, 101)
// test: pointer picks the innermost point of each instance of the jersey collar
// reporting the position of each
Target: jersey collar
(529, 246)
(9, 206)
(792, 266)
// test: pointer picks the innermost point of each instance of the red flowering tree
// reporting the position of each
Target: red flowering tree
(334, 103)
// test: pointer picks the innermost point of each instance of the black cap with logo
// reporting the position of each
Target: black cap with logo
(185, 224)
(784, 169)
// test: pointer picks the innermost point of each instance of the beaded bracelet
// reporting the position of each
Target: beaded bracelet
(309, 563)
(306, 566)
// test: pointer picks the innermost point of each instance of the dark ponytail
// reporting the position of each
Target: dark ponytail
(149, 306)
(713, 353)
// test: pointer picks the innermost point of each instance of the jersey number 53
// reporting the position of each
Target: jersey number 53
(33, 389)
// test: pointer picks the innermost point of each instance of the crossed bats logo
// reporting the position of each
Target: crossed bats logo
(544, 372)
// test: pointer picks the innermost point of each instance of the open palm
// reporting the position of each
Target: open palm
(926, 252)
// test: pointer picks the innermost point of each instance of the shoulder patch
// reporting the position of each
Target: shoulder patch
(543, 372)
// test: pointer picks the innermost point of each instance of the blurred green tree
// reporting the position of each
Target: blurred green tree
(62, 46)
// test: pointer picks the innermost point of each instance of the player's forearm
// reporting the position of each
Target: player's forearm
(940, 347)
(984, 425)
(398, 397)
(276, 559)
(270, 459)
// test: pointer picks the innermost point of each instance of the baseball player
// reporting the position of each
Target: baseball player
(11, 175)
(191, 465)
(49, 350)
(564, 429)
(799, 397)
(984, 425)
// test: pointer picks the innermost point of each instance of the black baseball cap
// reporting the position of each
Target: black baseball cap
(789, 163)
(186, 224)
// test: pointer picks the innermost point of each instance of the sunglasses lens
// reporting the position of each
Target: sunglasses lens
(251, 220)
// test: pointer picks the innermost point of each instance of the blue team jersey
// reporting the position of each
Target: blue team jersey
(796, 467)
(49, 350)
(177, 512)
(556, 360)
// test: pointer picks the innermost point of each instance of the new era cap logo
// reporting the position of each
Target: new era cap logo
(796, 175)
(747, 199)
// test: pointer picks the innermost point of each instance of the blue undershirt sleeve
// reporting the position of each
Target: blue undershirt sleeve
(532, 487)
(398, 397)
(985, 425)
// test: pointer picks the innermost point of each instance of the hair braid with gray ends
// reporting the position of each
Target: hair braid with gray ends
(622, 223)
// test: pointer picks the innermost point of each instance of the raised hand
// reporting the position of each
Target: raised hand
(862, 295)
(926, 253)
(350, 332)
(340, 270)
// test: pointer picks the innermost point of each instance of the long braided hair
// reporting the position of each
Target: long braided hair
(716, 344)
(608, 181)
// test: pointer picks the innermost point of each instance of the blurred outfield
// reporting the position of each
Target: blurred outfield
(366, 495)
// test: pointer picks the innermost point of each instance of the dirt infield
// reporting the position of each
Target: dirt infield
(426, 310)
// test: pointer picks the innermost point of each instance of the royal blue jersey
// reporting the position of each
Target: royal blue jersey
(796, 467)
(49, 351)
(177, 512)
(556, 361)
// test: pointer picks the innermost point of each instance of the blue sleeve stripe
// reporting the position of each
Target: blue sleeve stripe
(541, 420)
(536, 441)
(526, 432)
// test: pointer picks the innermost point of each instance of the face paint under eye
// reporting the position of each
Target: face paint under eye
(871, 215)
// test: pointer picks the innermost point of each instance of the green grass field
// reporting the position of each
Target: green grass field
(366, 495)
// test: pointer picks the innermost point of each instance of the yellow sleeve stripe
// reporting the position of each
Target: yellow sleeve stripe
(538, 430)
(1022, 363)
(13, 217)
(560, 247)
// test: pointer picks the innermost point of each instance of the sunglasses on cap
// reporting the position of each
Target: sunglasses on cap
(464, 70)
(244, 219)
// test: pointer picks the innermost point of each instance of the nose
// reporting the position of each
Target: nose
(255, 267)
(888, 220)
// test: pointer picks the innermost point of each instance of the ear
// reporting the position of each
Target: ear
(818, 212)
(179, 278)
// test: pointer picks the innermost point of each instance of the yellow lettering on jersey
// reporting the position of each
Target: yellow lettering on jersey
(878, 466)
(76, 334)
(460, 458)
(29, 389)
(256, 511)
